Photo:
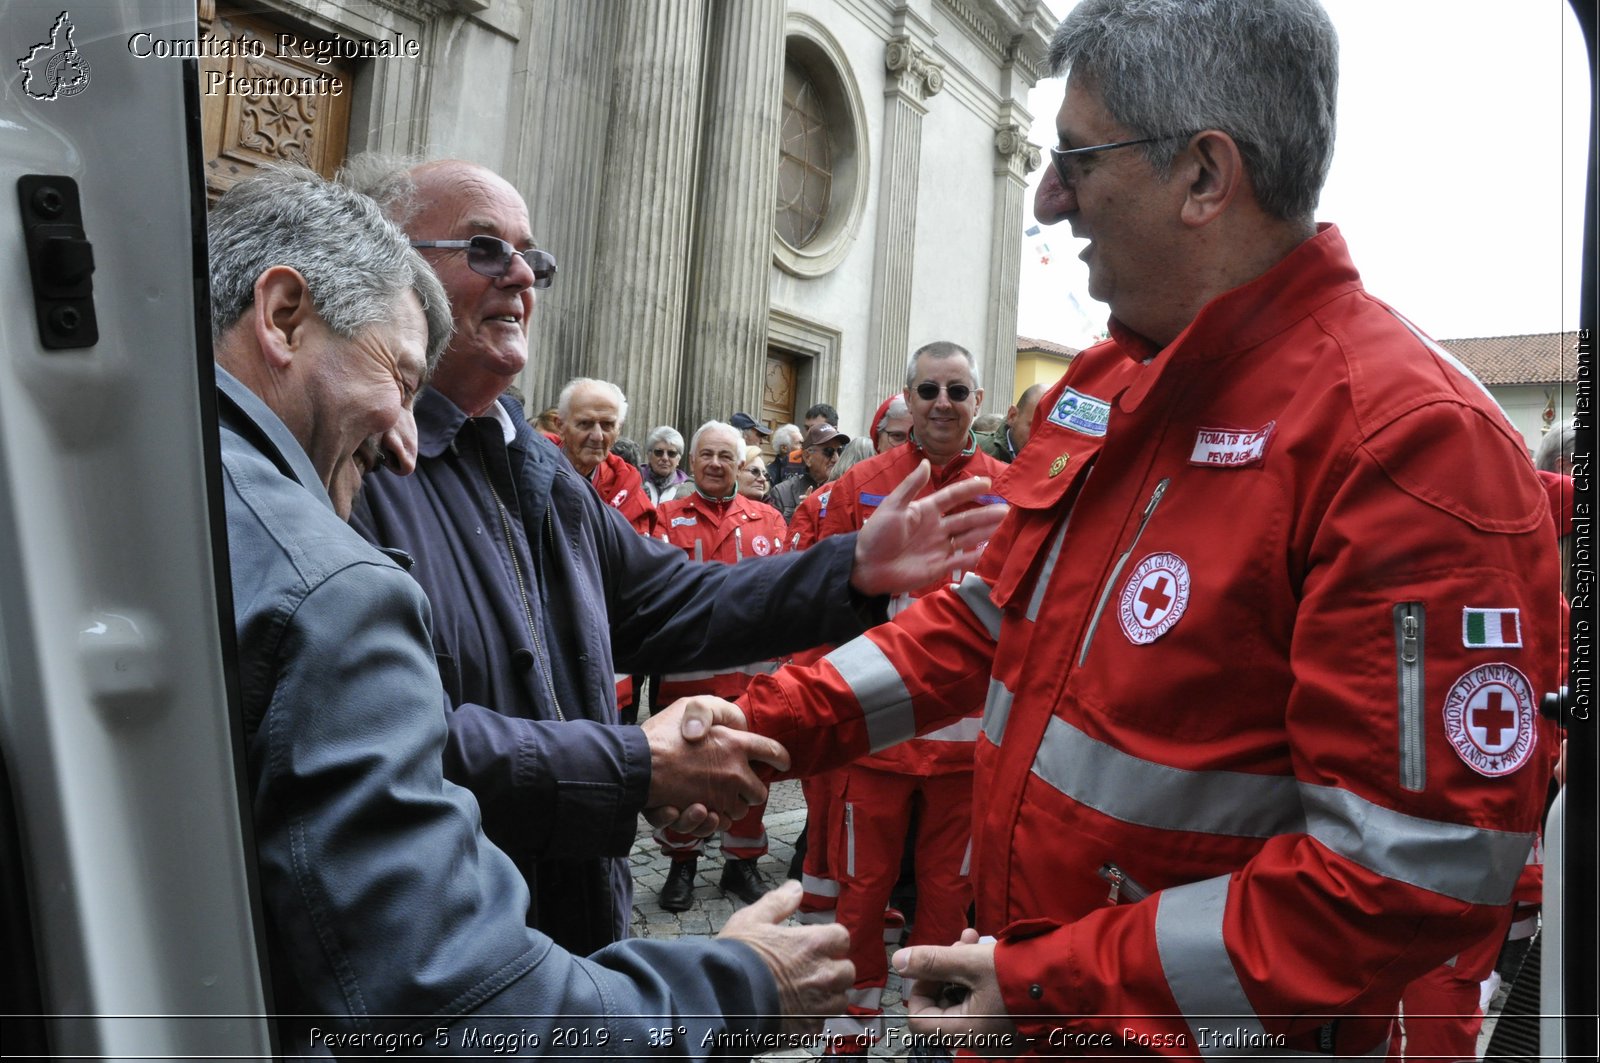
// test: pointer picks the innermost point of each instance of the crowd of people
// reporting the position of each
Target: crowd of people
(1203, 685)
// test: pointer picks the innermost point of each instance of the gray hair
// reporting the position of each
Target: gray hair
(1266, 72)
(356, 263)
(1556, 450)
(897, 408)
(564, 402)
(719, 426)
(664, 433)
(941, 349)
(856, 450)
(385, 178)
(786, 432)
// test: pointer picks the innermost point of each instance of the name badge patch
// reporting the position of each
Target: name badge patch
(1230, 448)
(1489, 719)
(1154, 598)
(1081, 413)
(679, 522)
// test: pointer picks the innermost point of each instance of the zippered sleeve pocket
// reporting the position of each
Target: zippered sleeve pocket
(1408, 651)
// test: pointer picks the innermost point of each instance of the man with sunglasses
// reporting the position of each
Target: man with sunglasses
(1263, 633)
(541, 594)
(873, 798)
(818, 452)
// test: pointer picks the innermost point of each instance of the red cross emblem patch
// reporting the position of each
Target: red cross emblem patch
(1489, 719)
(1154, 598)
(761, 545)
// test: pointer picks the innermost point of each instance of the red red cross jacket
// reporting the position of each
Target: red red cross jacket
(622, 488)
(711, 531)
(1261, 640)
(850, 500)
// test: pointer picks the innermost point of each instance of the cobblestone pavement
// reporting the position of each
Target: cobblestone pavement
(785, 821)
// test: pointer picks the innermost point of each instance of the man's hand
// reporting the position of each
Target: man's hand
(906, 545)
(702, 773)
(941, 975)
(808, 962)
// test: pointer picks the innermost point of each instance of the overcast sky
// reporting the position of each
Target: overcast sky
(1458, 173)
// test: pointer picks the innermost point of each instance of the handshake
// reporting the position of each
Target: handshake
(705, 772)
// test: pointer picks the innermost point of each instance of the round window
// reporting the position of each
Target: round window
(805, 161)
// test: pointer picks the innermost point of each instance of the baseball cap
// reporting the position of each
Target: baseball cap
(825, 433)
(742, 421)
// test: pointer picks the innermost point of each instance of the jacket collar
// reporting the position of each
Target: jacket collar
(244, 411)
(1313, 274)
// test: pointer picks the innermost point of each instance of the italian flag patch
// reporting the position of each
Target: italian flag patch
(1490, 628)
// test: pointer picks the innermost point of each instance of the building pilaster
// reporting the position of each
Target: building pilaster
(724, 358)
(1015, 159)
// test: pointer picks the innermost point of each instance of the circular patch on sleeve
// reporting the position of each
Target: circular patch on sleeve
(761, 545)
(1489, 719)
(1154, 598)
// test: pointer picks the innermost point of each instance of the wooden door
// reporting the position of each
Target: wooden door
(267, 103)
(777, 393)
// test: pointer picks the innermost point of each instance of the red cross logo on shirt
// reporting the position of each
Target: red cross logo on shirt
(1154, 597)
(1491, 717)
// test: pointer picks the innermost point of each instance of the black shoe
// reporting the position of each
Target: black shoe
(677, 893)
(744, 880)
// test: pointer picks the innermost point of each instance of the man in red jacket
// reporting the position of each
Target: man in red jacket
(873, 798)
(1262, 637)
(591, 413)
(716, 523)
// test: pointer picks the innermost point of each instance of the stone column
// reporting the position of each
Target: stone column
(1016, 158)
(555, 153)
(639, 283)
(913, 78)
(724, 358)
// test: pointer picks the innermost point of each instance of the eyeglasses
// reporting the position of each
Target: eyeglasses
(664, 453)
(831, 452)
(896, 435)
(490, 256)
(928, 391)
(1066, 159)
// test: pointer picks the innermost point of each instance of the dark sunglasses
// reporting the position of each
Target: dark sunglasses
(490, 256)
(831, 452)
(664, 453)
(927, 391)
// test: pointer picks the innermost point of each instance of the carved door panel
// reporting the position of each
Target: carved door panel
(777, 393)
(259, 106)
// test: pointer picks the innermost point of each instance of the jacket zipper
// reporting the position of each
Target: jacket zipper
(849, 839)
(1121, 885)
(1116, 571)
(1408, 631)
(522, 585)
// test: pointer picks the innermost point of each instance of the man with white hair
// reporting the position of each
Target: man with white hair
(718, 524)
(541, 594)
(386, 910)
(589, 417)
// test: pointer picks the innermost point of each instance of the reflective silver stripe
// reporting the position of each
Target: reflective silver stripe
(1156, 795)
(1047, 571)
(885, 702)
(966, 860)
(1195, 960)
(975, 593)
(1471, 864)
(754, 668)
(819, 887)
(963, 730)
(996, 710)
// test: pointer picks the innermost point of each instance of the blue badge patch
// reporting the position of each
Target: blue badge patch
(678, 522)
(872, 500)
(1081, 413)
